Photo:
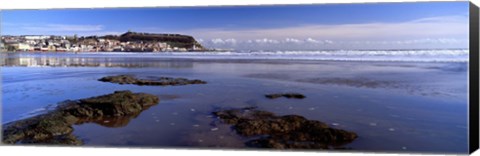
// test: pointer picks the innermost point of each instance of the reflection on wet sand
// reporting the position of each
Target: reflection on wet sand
(112, 122)
(374, 84)
(206, 131)
(55, 127)
(91, 62)
(222, 137)
(275, 76)
(354, 82)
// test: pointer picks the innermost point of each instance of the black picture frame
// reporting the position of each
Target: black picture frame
(474, 78)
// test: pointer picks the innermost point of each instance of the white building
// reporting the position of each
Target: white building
(22, 47)
(37, 37)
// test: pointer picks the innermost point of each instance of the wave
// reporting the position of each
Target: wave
(448, 55)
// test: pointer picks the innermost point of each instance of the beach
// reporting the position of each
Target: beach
(399, 105)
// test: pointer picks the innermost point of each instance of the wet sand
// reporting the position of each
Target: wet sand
(392, 106)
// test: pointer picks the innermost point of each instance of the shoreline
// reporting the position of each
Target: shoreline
(241, 56)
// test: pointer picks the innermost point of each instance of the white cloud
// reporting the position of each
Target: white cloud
(314, 44)
(433, 27)
(292, 40)
(266, 40)
(440, 19)
(223, 41)
(217, 41)
(311, 40)
(415, 41)
(431, 32)
(231, 40)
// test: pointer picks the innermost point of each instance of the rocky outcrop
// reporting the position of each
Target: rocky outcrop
(175, 40)
(142, 42)
(120, 103)
(55, 127)
(286, 95)
(162, 81)
(284, 132)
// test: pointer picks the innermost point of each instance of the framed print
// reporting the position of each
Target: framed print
(359, 77)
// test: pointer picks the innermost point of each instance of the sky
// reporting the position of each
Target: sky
(421, 25)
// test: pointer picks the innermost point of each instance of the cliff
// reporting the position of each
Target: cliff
(174, 40)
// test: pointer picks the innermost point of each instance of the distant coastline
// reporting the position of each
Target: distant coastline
(127, 42)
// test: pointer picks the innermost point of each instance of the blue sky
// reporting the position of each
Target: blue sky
(325, 26)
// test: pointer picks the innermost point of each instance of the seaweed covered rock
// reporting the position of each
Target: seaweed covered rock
(286, 95)
(284, 132)
(119, 103)
(39, 129)
(55, 127)
(162, 81)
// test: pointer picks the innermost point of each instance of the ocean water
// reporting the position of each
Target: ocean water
(396, 100)
(432, 55)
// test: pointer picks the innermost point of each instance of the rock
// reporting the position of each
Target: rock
(284, 132)
(67, 139)
(120, 103)
(287, 95)
(55, 127)
(38, 129)
(162, 81)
